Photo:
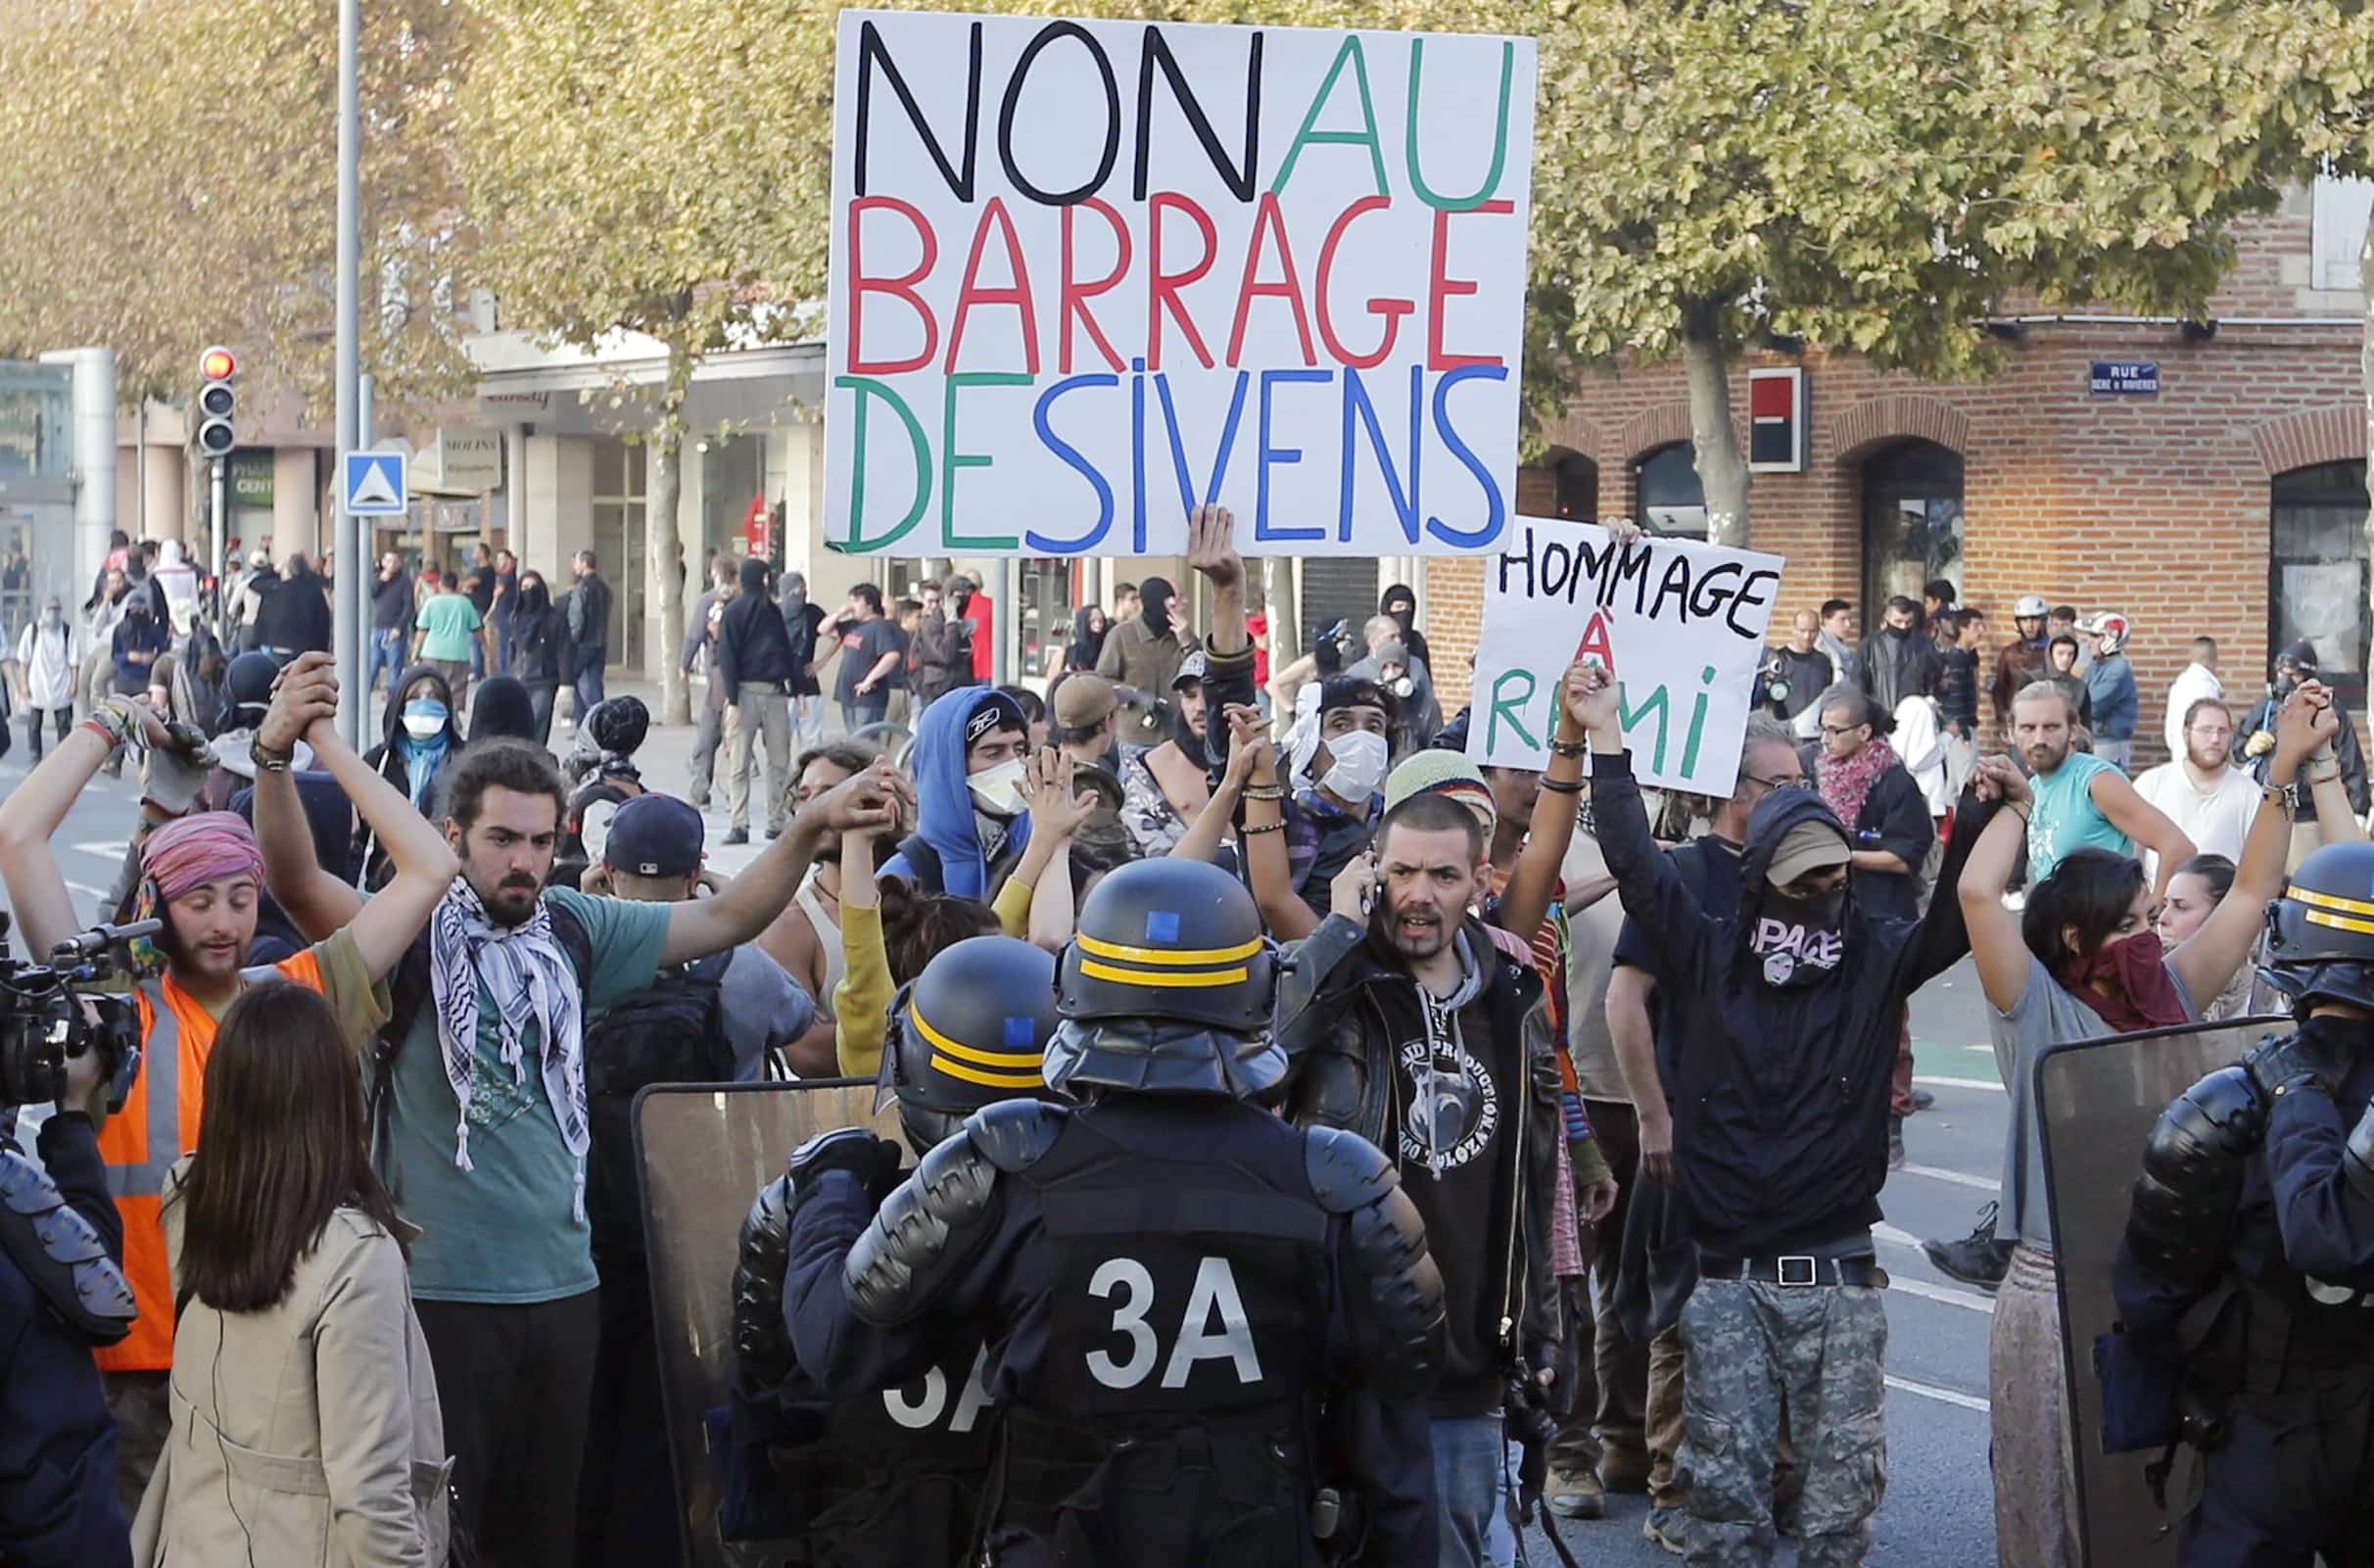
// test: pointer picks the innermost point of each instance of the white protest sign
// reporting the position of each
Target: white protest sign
(1680, 623)
(1087, 275)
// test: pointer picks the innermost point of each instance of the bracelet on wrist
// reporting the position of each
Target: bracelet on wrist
(1562, 787)
(1246, 829)
(1569, 748)
(1265, 791)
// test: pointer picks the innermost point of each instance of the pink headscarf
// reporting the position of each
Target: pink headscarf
(207, 846)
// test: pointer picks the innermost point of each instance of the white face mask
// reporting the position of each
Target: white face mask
(998, 791)
(1356, 766)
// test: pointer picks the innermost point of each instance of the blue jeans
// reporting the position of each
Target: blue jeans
(1471, 1479)
(587, 679)
(387, 649)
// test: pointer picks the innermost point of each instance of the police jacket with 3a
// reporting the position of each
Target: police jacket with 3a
(1352, 1018)
(57, 1501)
(1067, 1238)
(1780, 1095)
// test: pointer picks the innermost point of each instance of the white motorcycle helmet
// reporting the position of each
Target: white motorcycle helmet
(2031, 606)
(2110, 628)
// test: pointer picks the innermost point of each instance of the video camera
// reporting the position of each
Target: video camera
(43, 1020)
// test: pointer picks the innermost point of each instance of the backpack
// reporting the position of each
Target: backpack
(671, 1033)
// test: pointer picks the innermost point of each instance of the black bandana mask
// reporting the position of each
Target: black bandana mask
(1799, 942)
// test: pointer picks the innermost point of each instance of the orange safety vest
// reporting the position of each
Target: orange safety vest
(157, 1125)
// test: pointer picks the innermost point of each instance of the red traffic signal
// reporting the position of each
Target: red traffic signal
(218, 364)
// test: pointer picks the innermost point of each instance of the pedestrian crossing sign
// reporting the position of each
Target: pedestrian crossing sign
(374, 484)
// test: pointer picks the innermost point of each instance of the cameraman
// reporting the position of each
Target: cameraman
(57, 1501)
(203, 875)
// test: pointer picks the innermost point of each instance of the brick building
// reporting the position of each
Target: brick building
(2230, 502)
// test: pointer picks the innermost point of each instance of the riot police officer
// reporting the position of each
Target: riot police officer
(889, 1477)
(1196, 1313)
(2249, 1257)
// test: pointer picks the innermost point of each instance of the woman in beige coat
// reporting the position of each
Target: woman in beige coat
(306, 1427)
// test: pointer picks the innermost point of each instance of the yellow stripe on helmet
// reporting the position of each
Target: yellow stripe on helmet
(993, 1080)
(2340, 923)
(2347, 906)
(1199, 981)
(1173, 957)
(944, 1046)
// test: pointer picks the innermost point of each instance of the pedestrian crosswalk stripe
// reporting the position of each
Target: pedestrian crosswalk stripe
(1959, 1179)
(1930, 1391)
(1958, 1084)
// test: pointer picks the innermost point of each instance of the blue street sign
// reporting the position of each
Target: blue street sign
(374, 484)
(2124, 378)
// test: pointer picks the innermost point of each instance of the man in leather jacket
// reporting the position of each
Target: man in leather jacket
(1195, 1313)
(1423, 1030)
(894, 1476)
(2245, 1280)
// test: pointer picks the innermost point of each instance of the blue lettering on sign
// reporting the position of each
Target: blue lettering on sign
(2124, 378)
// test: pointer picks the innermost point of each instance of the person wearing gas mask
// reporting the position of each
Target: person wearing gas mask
(2245, 1275)
(1334, 813)
(1785, 1024)
(1144, 654)
(892, 1476)
(1209, 1329)
(419, 743)
(971, 754)
(2293, 666)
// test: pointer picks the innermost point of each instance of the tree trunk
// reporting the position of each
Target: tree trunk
(664, 560)
(1714, 440)
(1278, 604)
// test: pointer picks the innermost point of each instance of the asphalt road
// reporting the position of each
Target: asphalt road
(1938, 1511)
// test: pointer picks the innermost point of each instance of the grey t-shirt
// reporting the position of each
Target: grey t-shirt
(764, 1009)
(2045, 1014)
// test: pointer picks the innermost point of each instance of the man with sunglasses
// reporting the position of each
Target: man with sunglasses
(1784, 1022)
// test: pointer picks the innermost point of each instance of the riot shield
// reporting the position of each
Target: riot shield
(2097, 1101)
(705, 1150)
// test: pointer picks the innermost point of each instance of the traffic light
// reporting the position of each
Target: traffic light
(218, 400)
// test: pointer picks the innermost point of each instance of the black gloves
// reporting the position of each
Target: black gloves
(873, 1160)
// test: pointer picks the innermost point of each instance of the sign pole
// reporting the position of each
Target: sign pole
(364, 576)
(353, 700)
(223, 529)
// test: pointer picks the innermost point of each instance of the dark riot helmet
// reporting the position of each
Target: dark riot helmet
(1170, 987)
(967, 1032)
(2321, 934)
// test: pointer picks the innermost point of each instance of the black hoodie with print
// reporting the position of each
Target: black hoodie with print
(1781, 1058)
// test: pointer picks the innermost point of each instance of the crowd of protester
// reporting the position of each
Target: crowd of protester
(1640, 1065)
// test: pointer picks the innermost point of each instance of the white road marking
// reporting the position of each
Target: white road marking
(1945, 1295)
(1981, 1046)
(1895, 1237)
(1957, 1177)
(86, 891)
(1929, 1391)
(1958, 1083)
(105, 849)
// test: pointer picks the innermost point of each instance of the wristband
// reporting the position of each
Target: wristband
(1569, 748)
(1247, 830)
(1562, 787)
(1265, 792)
(270, 761)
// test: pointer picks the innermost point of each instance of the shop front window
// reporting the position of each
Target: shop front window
(1672, 500)
(1912, 522)
(2316, 571)
(733, 480)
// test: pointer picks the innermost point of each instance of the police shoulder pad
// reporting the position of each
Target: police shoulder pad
(1346, 1171)
(1016, 1135)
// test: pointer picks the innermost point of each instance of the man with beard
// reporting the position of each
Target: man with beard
(1144, 654)
(202, 874)
(2022, 661)
(1784, 1024)
(2082, 800)
(1898, 660)
(1163, 787)
(806, 937)
(2203, 793)
(477, 1087)
(1426, 1031)
(971, 755)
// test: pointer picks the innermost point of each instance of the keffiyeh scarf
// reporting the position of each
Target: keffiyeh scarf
(1845, 786)
(534, 987)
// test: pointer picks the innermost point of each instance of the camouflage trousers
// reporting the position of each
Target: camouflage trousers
(1754, 1352)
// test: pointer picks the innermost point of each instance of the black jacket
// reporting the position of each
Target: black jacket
(539, 637)
(2345, 751)
(57, 1501)
(753, 645)
(1894, 818)
(590, 613)
(1347, 1014)
(1897, 665)
(1781, 1096)
(1957, 690)
(1807, 676)
(296, 616)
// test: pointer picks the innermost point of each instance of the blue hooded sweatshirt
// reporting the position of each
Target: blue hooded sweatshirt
(945, 824)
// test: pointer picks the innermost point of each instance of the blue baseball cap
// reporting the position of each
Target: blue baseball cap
(656, 836)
